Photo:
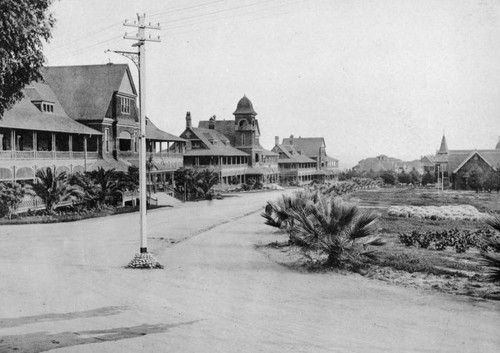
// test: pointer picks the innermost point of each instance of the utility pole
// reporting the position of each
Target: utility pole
(141, 39)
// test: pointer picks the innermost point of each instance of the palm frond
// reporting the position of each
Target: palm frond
(492, 262)
(494, 221)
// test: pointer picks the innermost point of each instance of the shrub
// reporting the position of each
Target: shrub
(492, 261)
(326, 226)
(441, 240)
(54, 188)
(11, 195)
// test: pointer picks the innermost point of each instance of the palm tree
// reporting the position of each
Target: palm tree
(492, 261)
(336, 229)
(54, 188)
(108, 180)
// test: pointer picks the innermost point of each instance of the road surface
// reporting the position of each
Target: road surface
(64, 288)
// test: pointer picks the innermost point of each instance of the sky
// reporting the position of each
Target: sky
(371, 77)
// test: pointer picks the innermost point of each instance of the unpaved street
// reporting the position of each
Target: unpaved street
(64, 288)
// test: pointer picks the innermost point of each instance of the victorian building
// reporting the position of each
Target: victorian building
(237, 152)
(315, 149)
(81, 118)
(454, 167)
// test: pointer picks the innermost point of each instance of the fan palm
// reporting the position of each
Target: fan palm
(492, 261)
(54, 188)
(108, 180)
(336, 229)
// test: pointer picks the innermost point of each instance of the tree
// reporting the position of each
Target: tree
(476, 179)
(404, 178)
(54, 188)
(389, 177)
(415, 177)
(24, 25)
(11, 195)
(428, 178)
(108, 180)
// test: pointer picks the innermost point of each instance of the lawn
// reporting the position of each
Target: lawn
(429, 268)
(412, 266)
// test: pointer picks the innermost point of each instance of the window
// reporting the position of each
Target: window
(45, 107)
(125, 104)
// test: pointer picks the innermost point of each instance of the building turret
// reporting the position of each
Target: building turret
(444, 146)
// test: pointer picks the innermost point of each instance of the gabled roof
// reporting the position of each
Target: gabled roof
(85, 92)
(292, 155)
(491, 157)
(310, 146)
(154, 133)
(24, 114)
(216, 143)
(225, 127)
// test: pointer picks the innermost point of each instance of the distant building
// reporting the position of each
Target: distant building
(315, 149)
(293, 165)
(455, 166)
(384, 163)
(232, 147)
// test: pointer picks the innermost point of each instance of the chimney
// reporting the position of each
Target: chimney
(276, 140)
(211, 123)
(188, 120)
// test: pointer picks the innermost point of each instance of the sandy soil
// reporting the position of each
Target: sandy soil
(64, 288)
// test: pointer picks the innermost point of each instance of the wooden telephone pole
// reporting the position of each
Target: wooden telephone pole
(140, 62)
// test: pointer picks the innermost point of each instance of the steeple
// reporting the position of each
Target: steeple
(498, 144)
(444, 146)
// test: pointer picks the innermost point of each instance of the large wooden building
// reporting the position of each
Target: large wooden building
(81, 118)
(454, 167)
(231, 147)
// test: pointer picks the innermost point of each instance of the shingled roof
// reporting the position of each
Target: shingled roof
(457, 159)
(25, 115)
(154, 133)
(220, 148)
(310, 146)
(85, 92)
(292, 155)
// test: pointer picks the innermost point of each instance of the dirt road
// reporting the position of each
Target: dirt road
(64, 289)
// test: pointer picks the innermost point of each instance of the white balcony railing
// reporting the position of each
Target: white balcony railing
(31, 155)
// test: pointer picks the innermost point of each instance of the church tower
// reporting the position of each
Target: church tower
(247, 130)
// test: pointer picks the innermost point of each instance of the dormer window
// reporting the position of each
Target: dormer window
(125, 104)
(45, 107)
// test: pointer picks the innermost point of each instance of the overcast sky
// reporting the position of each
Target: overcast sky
(371, 77)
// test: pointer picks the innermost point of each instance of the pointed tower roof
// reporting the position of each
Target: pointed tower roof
(245, 107)
(444, 146)
(497, 147)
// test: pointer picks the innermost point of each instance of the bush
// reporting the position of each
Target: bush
(324, 225)
(441, 240)
(11, 195)
(389, 177)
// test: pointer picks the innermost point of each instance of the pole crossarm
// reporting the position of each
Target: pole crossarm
(132, 56)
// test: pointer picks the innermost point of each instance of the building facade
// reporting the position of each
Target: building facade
(238, 137)
(315, 148)
(78, 119)
(454, 168)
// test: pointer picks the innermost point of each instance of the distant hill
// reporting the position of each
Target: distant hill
(383, 163)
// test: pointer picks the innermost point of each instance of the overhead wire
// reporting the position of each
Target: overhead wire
(228, 13)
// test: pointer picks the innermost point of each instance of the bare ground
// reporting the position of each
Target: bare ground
(64, 288)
